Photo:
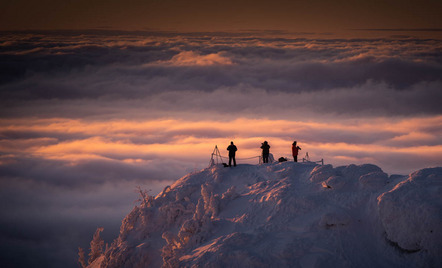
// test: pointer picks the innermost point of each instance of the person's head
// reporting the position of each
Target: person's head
(294, 143)
(231, 142)
(265, 142)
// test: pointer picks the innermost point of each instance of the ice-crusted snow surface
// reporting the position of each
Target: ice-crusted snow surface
(286, 215)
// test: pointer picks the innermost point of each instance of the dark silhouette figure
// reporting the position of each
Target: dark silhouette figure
(265, 152)
(232, 151)
(295, 150)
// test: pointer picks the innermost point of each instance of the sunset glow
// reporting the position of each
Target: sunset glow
(123, 140)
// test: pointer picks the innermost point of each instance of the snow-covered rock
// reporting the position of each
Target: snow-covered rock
(411, 213)
(321, 173)
(374, 180)
(286, 215)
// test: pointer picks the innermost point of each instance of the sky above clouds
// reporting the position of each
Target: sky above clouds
(138, 93)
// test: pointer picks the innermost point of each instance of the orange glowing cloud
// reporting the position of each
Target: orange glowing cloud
(137, 142)
(190, 58)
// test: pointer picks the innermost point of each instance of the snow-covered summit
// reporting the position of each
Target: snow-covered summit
(286, 215)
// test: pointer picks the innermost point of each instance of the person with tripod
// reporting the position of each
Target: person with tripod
(232, 151)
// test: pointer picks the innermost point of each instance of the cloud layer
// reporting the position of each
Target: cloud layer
(87, 117)
(218, 74)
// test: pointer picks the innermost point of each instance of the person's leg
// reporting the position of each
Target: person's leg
(296, 158)
(230, 161)
(234, 161)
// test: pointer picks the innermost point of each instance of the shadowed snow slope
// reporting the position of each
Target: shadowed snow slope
(286, 215)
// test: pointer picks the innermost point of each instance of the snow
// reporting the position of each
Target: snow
(286, 215)
(97, 262)
(411, 212)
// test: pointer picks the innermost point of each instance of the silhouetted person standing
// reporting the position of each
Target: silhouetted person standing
(295, 150)
(265, 152)
(232, 151)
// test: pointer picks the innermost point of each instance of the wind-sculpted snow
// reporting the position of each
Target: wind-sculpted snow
(286, 215)
(411, 212)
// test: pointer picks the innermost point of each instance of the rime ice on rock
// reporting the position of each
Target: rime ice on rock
(411, 213)
(286, 215)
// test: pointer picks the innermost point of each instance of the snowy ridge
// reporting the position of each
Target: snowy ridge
(286, 215)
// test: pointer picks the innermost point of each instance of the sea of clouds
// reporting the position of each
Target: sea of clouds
(85, 117)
